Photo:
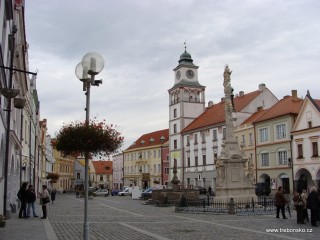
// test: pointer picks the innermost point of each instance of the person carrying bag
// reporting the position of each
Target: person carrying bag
(44, 199)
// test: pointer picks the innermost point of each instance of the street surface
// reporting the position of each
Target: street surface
(123, 218)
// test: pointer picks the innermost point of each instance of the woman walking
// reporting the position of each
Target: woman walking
(44, 195)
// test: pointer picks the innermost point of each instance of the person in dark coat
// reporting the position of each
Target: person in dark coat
(299, 204)
(31, 198)
(22, 195)
(280, 202)
(313, 203)
(53, 195)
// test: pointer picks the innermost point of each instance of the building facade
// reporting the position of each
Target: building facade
(305, 145)
(117, 171)
(142, 164)
(273, 143)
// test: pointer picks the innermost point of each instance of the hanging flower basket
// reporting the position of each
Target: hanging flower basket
(19, 103)
(93, 137)
(9, 93)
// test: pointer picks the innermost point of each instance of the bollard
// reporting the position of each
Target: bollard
(231, 207)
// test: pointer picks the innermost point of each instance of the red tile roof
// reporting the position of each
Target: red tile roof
(287, 105)
(216, 113)
(151, 139)
(255, 116)
(102, 167)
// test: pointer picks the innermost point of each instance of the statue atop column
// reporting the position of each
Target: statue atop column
(231, 180)
(226, 75)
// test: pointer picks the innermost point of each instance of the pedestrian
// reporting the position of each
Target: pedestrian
(22, 195)
(44, 195)
(280, 202)
(53, 195)
(313, 203)
(299, 204)
(305, 210)
(210, 191)
(31, 198)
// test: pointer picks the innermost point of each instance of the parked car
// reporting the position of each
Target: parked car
(101, 192)
(126, 192)
(115, 192)
(263, 189)
(146, 194)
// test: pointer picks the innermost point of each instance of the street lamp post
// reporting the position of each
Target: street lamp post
(92, 64)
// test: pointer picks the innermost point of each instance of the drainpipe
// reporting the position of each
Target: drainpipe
(293, 186)
(10, 85)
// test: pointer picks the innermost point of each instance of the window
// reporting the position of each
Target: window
(243, 140)
(154, 168)
(224, 133)
(281, 131)
(188, 161)
(175, 112)
(203, 137)
(166, 171)
(78, 175)
(195, 139)
(300, 150)
(204, 159)
(196, 161)
(159, 168)
(214, 135)
(250, 139)
(282, 158)
(174, 128)
(101, 178)
(310, 124)
(315, 149)
(188, 140)
(264, 159)
(263, 132)
(175, 144)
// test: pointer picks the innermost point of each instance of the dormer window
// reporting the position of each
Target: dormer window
(151, 140)
(142, 141)
(162, 138)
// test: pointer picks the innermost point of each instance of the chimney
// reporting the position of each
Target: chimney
(222, 99)
(262, 86)
(294, 94)
(241, 93)
(210, 103)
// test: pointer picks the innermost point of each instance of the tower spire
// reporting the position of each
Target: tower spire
(185, 46)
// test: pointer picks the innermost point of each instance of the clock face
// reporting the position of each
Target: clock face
(178, 74)
(190, 74)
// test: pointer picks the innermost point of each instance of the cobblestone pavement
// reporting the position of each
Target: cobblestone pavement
(123, 218)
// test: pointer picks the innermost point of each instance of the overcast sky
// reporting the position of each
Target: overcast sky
(264, 41)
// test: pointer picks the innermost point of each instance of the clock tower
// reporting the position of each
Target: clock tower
(186, 103)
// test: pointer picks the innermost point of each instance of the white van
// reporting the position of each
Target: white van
(125, 192)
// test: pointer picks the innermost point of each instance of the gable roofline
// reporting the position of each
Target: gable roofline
(288, 105)
(149, 140)
(215, 115)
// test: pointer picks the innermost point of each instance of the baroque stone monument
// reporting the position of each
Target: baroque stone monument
(231, 181)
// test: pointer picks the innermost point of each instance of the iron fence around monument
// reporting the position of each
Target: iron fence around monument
(264, 205)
